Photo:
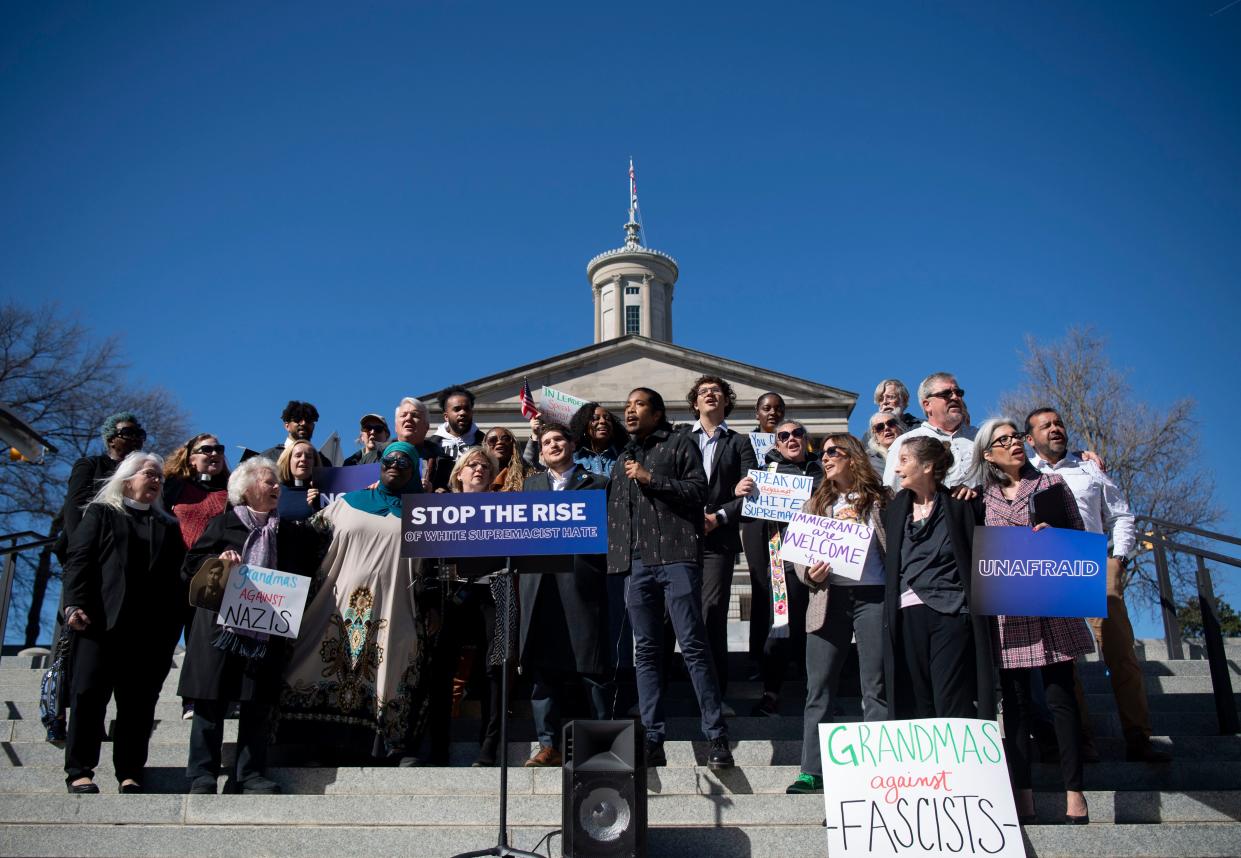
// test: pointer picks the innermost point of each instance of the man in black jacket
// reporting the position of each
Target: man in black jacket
(299, 420)
(655, 527)
(726, 457)
(564, 617)
(455, 434)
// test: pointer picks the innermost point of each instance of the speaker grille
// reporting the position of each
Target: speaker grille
(604, 815)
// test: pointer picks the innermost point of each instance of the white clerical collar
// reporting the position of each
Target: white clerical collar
(133, 504)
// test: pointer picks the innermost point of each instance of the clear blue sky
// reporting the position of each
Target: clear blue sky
(353, 202)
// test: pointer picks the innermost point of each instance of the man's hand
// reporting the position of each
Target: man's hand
(635, 471)
(536, 425)
(710, 521)
(964, 493)
(1092, 456)
(78, 621)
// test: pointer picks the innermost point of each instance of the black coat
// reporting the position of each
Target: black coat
(733, 456)
(581, 637)
(96, 573)
(212, 674)
(441, 461)
(275, 452)
(963, 516)
(87, 475)
(668, 511)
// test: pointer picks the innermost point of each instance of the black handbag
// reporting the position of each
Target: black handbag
(54, 679)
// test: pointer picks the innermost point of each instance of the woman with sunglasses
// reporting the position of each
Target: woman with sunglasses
(1026, 644)
(358, 676)
(469, 612)
(784, 644)
(883, 428)
(195, 491)
(513, 470)
(842, 608)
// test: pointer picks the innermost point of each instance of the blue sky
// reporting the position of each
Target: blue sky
(353, 202)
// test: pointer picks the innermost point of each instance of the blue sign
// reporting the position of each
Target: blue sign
(504, 524)
(336, 481)
(1052, 572)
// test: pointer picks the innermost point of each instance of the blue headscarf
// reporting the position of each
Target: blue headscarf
(381, 500)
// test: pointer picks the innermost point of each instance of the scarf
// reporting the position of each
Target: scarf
(381, 500)
(259, 549)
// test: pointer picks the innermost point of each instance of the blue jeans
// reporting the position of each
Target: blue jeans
(676, 587)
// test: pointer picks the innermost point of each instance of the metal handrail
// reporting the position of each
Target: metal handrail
(1160, 543)
(10, 567)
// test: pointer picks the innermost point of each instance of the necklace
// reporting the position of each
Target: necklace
(922, 510)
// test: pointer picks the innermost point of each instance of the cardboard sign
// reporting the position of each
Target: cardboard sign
(810, 539)
(557, 406)
(779, 495)
(779, 586)
(762, 442)
(504, 524)
(1049, 573)
(264, 600)
(934, 786)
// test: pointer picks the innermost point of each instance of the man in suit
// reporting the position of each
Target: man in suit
(564, 617)
(726, 457)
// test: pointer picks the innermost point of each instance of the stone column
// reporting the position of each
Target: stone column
(618, 286)
(646, 306)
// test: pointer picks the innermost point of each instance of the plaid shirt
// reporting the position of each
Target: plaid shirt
(1034, 641)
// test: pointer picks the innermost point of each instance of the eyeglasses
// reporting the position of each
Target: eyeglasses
(834, 452)
(703, 391)
(1007, 441)
(154, 476)
(478, 464)
(797, 433)
(947, 393)
(494, 440)
(401, 463)
(208, 449)
(890, 424)
(131, 434)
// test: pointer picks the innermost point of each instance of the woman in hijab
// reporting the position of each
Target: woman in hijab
(356, 678)
(123, 601)
(224, 665)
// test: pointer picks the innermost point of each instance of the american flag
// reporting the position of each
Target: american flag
(528, 410)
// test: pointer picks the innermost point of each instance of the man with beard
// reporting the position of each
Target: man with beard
(299, 420)
(455, 434)
(1104, 509)
(943, 402)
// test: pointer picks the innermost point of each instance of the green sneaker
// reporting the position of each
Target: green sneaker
(805, 784)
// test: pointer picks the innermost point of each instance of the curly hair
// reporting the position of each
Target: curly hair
(730, 395)
(579, 426)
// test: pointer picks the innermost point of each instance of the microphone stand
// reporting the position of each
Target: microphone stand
(502, 849)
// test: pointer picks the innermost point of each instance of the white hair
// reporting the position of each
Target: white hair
(901, 390)
(984, 473)
(112, 492)
(872, 443)
(924, 389)
(246, 475)
(417, 403)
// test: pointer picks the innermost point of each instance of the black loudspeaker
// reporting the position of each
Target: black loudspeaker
(603, 799)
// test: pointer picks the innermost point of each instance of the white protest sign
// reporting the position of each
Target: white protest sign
(762, 442)
(779, 495)
(812, 538)
(934, 786)
(557, 406)
(264, 600)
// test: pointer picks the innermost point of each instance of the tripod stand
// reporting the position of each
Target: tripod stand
(502, 849)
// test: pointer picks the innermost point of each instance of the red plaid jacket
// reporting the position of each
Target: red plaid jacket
(1034, 641)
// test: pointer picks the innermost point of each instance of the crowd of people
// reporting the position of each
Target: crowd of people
(387, 644)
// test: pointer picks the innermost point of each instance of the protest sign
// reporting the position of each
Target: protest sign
(934, 786)
(762, 442)
(557, 406)
(779, 587)
(1045, 573)
(332, 482)
(503, 524)
(779, 495)
(844, 544)
(264, 600)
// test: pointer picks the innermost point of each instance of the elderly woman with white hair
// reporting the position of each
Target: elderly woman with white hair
(123, 600)
(882, 429)
(226, 665)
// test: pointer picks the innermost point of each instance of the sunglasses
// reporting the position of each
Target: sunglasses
(208, 449)
(834, 452)
(401, 463)
(798, 433)
(131, 434)
(1006, 441)
(947, 393)
(494, 440)
(374, 427)
(890, 424)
